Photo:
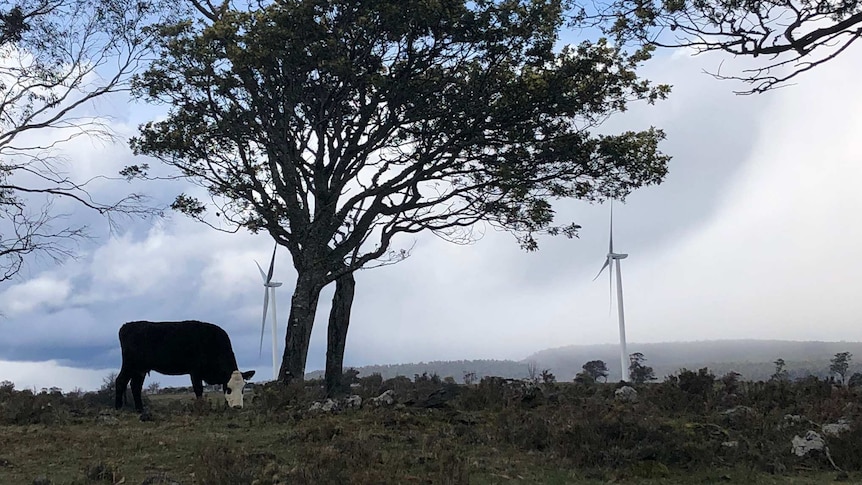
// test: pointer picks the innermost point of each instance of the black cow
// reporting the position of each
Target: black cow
(199, 349)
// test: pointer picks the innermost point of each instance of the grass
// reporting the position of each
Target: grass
(492, 433)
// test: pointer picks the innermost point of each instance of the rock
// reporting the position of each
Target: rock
(42, 480)
(146, 417)
(626, 394)
(791, 420)
(106, 417)
(738, 411)
(811, 442)
(327, 406)
(834, 429)
(730, 444)
(353, 402)
(385, 399)
(440, 397)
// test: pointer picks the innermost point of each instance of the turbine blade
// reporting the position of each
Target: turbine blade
(607, 263)
(262, 274)
(263, 320)
(271, 264)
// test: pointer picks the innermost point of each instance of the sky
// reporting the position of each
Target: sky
(754, 234)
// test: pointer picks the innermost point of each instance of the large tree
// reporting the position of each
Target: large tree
(791, 36)
(56, 58)
(338, 125)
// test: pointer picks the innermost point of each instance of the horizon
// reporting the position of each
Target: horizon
(31, 375)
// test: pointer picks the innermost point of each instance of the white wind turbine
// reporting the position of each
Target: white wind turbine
(612, 256)
(269, 287)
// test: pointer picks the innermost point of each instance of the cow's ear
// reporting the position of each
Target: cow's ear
(247, 375)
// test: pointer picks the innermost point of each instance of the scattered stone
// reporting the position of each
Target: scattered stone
(811, 442)
(738, 411)
(791, 420)
(439, 397)
(385, 399)
(107, 417)
(353, 402)
(626, 394)
(834, 429)
(327, 406)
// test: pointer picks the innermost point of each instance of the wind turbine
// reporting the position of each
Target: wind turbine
(611, 257)
(269, 287)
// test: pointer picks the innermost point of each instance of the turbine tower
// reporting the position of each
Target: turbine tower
(269, 287)
(616, 257)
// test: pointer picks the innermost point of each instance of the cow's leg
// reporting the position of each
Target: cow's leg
(120, 387)
(198, 386)
(137, 386)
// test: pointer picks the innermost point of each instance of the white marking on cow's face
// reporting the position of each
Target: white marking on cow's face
(233, 393)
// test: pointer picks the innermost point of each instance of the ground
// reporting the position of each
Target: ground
(493, 433)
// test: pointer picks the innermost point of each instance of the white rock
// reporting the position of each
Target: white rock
(327, 406)
(385, 399)
(626, 394)
(811, 442)
(834, 429)
(730, 444)
(353, 402)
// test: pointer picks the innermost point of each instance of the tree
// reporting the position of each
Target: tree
(840, 364)
(341, 126)
(56, 57)
(780, 371)
(596, 369)
(793, 36)
(638, 372)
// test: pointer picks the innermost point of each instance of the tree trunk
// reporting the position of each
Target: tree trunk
(303, 307)
(339, 320)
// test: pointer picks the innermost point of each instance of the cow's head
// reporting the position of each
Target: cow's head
(233, 388)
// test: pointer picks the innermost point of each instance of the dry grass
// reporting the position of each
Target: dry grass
(568, 434)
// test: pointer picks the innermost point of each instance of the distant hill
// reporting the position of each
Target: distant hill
(751, 358)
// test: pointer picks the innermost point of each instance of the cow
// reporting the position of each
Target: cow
(200, 349)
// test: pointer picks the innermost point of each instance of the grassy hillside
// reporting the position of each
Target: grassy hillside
(495, 432)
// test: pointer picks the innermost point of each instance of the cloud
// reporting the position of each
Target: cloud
(39, 375)
(45, 292)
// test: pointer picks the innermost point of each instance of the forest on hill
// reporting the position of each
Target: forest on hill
(753, 359)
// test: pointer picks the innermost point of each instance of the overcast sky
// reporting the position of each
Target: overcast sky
(754, 234)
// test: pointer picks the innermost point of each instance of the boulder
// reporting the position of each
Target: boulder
(834, 429)
(385, 399)
(626, 394)
(327, 406)
(353, 402)
(811, 442)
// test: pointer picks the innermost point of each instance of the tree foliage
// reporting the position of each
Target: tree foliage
(56, 57)
(792, 36)
(338, 125)
(596, 369)
(639, 372)
(840, 364)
